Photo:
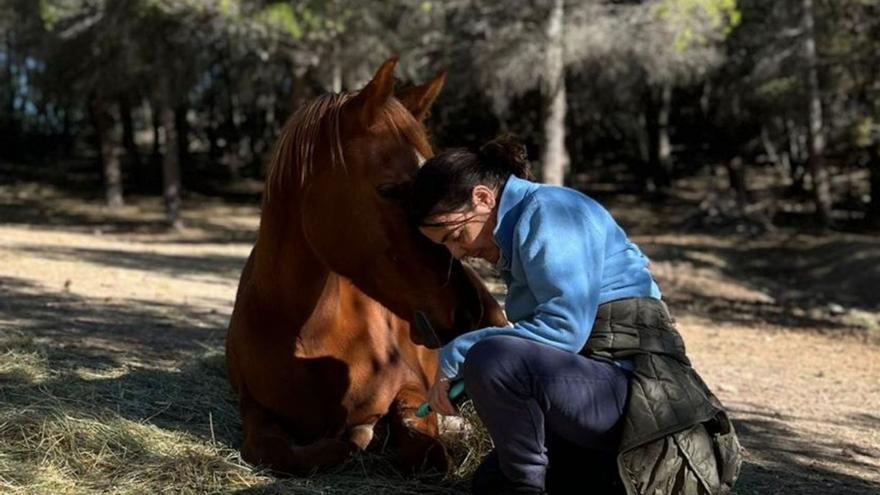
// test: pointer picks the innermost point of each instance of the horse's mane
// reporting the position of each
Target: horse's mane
(295, 150)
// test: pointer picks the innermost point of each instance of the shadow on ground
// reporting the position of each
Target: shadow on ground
(134, 356)
(821, 286)
(137, 329)
(224, 268)
(781, 461)
(49, 207)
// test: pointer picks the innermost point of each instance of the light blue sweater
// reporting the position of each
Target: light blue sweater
(562, 255)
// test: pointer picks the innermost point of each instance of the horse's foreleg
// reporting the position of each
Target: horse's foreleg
(266, 443)
(416, 438)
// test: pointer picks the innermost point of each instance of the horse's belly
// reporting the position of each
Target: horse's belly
(323, 395)
(331, 377)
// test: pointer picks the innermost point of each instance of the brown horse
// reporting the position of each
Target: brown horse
(320, 345)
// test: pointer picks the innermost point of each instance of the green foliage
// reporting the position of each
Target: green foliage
(228, 7)
(53, 12)
(282, 16)
(698, 22)
(865, 131)
(735, 68)
(49, 14)
(778, 88)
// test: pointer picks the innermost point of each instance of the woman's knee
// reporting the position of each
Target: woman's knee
(494, 358)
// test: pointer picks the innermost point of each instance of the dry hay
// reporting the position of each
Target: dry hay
(76, 423)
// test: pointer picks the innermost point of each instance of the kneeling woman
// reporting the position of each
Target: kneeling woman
(590, 385)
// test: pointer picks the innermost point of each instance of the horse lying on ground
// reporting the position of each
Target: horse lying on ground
(321, 343)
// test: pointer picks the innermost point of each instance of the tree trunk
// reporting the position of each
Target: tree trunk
(9, 86)
(230, 130)
(797, 173)
(67, 132)
(874, 168)
(171, 189)
(555, 160)
(109, 146)
(706, 100)
(181, 125)
(643, 143)
(9, 125)
(815, 132)
(131, 151)
(736, 173)
(657, 102)
(769, 146)
(336, 68)
(212, 126)
(664, 146)
(156, 121)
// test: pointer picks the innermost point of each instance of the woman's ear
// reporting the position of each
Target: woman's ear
(482, 195)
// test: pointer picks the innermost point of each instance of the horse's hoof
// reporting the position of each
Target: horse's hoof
(361, 435)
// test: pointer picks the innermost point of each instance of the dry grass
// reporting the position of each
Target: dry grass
(68, 425)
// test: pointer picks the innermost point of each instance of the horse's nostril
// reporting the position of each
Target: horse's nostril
(425, 331)
(464, 319)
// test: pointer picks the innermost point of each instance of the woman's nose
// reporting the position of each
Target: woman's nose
(457, 251)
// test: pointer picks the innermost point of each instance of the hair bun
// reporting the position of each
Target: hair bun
(506, 153)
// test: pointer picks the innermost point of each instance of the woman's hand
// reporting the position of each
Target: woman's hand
(438, 396)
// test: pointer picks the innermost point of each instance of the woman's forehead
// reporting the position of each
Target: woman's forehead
(446, 221)
(436, 233)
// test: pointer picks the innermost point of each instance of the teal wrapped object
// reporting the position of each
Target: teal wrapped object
(456, 396)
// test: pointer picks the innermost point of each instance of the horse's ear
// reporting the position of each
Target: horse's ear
(369, 101)
(418, 99)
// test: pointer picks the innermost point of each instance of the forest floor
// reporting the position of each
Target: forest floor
(112, 328)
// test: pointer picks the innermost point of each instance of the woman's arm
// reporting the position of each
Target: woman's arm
(561, 252)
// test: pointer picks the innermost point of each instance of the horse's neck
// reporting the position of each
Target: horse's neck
(292, 277)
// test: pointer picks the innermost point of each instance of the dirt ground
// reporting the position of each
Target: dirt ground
(785, 327)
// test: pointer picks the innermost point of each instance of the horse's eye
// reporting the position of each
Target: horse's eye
(392, 191)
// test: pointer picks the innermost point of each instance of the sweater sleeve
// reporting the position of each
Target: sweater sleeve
(561, 253)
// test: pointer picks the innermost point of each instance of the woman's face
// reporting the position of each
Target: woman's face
(467, 232)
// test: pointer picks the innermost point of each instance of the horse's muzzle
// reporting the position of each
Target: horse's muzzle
(423, 333)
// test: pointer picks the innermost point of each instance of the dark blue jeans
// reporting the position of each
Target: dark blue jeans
(531, 396)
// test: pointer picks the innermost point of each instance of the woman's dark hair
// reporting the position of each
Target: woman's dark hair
(444, 183)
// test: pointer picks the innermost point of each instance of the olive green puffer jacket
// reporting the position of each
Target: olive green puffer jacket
(676, 437)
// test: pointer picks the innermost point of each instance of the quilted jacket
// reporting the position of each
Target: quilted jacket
(676, 436)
